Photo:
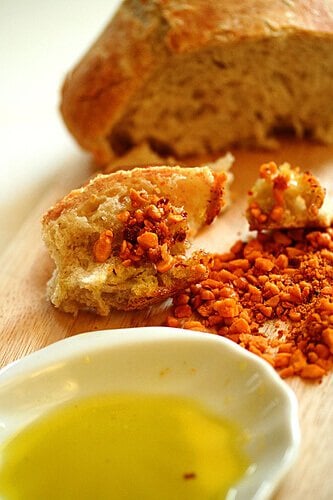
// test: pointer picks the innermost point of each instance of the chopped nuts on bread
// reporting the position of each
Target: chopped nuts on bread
(120, 240)
(195, 77)
(285, 197)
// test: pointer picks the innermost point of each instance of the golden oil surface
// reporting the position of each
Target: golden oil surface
(124, 447)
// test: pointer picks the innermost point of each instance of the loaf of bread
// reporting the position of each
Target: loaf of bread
(120, 240)
(197, 76)
(284, 197)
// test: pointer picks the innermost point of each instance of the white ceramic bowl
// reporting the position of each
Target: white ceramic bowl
(224, 377)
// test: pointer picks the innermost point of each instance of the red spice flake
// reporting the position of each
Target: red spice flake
(283, 275)
(280, 183)
(189, 475)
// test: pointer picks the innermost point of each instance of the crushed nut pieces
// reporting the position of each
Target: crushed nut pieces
(103, 246)
(285, 277)
(153, 231)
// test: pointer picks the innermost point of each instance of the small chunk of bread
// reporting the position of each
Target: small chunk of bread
(285, 197)
(120, 241)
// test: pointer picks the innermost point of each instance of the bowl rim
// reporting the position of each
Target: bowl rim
(92, 342)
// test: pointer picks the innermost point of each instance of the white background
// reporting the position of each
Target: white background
(40, 40)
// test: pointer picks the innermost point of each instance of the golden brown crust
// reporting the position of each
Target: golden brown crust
(201, 22)
(216, 202)
(144, 33)
(95, 93)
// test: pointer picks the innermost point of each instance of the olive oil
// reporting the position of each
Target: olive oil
(124, 447)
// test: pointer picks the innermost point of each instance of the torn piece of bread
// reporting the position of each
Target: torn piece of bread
(285, 197)
(195, 77)
(120, 241)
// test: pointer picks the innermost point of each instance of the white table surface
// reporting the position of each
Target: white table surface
(40, 41)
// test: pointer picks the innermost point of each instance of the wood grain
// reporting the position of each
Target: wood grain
(28, 322)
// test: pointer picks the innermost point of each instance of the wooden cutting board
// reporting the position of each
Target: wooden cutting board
(28, 322)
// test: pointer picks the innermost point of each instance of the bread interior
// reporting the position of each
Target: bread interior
(244, 92)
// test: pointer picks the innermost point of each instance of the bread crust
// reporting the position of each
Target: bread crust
(96, 91)
(144, 34)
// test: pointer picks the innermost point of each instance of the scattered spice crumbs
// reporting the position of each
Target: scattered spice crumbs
(272, 295)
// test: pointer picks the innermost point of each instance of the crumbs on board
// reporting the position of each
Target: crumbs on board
(272, 295)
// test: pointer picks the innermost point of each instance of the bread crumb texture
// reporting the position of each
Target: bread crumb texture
(120, 240)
